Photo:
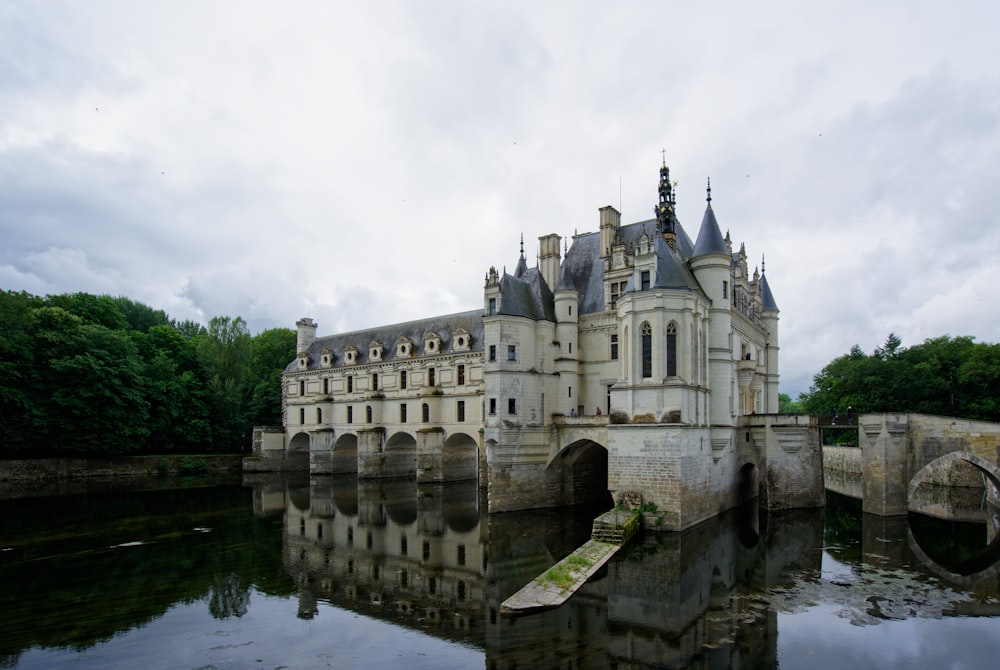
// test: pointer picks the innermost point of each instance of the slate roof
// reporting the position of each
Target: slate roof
(766, 297)
(710, 240)
(443, 326)
(583, 269)
(527, 295)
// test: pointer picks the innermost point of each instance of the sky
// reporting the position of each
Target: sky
(366, 163)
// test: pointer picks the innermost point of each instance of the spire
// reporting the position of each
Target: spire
(666, 220)
(710, 240)
(522, 264)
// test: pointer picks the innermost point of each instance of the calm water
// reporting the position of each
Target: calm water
(337, 573)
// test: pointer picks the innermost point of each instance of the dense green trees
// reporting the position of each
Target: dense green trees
(93, 375)
(950, 376)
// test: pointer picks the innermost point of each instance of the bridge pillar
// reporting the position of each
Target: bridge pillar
(321, 451)
(430, 455)
(371, 453)
(883, 441)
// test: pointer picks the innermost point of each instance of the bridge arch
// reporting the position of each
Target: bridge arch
(990, 471)
(400, 454)
(345, 455)
(578, 473)
(747, 483)
(299, 443)
(460, 457)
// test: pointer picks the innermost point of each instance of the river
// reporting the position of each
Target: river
(336, 573)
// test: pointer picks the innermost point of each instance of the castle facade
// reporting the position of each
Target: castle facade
(625, 361)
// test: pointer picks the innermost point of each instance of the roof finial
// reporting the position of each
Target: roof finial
(522, 245)
(762, 263)
(709, 197)
(664, 153)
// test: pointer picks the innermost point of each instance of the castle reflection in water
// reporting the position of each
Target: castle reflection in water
(425, 557)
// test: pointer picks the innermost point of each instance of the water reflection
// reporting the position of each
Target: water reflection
(428, 558)
(711, 596)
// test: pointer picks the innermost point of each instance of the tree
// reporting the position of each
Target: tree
(272, 351)
(224, 352)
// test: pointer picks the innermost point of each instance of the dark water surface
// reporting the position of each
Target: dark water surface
(337, 573)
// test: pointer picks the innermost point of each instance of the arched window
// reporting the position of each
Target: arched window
(426, 413)
(647, 351)
(368, 413)
(672, 350)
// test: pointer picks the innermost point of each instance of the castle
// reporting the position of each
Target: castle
(628, 360)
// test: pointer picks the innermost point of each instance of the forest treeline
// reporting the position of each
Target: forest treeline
(89, 375)
(946, 376)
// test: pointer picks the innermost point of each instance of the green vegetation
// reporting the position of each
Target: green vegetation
(86, 375)
(943, 376)
(566, 572)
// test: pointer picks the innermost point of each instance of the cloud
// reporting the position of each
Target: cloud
(365, 164)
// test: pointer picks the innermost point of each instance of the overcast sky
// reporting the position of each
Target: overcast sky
(365, 163)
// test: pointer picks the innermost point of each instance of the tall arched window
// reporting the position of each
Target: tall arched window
(425, 411)
(672, 350)
(647, 351)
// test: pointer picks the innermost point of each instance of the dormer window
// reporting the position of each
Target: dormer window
(432, 343)
(404, 347)
(326, 358)
(303, 360)
(351, 355)
(375, 351)
(462, 340)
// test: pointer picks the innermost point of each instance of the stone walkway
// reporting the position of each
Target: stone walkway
(554, 586)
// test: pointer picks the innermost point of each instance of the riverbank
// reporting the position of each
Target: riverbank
(62, 476)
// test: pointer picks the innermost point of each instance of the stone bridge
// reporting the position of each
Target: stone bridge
(896, 453)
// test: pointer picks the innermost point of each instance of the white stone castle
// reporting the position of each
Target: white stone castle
(629, 363)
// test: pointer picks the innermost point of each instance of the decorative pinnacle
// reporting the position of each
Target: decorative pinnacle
(664, 153)
(762, 263)
(522, 245)
(709, 197)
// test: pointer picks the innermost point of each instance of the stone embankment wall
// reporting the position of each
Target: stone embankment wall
(29, 470)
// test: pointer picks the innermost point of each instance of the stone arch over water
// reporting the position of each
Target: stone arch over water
(747, 483)
(299, 443)
(990, 472)
(578, 474)
(400, 455)
(345, 455)
(460, 457)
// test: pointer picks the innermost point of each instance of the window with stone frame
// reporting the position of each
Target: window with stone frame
(672, 349)
(647, 351)
(614, 346)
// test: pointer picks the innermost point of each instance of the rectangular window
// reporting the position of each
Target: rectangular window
(350, 414)
(460, 557)
(460, 411)
(569, 392)
(302, 416)
(461, 375)
(511, 353)
(402, 545)
(431, 377)
(350, 384)
(493, 406)
(375, 381)
(402, 413)
(725, 289)
(614, 347)
(302, 388)
(493, 352)
(427, 551)
(402, 379)
(493, 306)
(511, 406)
(644, 277)
(319, 415)
(326, 386)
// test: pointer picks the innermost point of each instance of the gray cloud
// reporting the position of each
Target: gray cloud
(367, 164)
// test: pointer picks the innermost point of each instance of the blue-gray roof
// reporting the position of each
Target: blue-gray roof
(710, 240)
(528, 296)
(443, 326)
(767, 298)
